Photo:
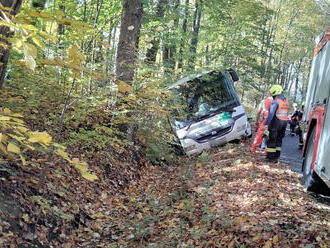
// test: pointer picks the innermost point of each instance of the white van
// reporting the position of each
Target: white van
(207, 111)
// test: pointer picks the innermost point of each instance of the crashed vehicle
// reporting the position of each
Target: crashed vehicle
(207, 111)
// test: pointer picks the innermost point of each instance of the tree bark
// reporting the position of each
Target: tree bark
(170, 47)
(184, 31)
(128, 39)
(6, 33)
(195, 32)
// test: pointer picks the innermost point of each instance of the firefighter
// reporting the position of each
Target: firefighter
(263, 111)
(276, 123)
(293, 122)
(299, 116)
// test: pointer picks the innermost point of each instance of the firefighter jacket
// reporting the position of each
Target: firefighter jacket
(267, 102)
(279, 108)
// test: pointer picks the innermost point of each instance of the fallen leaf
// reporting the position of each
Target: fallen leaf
(26, 218)
(268, 244)
(13, 148)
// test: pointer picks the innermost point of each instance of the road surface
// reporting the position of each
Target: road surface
(290, 153)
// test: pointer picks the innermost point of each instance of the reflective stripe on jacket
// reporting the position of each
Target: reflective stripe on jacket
(282, 110)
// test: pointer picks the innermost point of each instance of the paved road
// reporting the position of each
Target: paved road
(290, 153)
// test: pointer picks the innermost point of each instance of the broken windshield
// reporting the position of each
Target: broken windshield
(202, 97)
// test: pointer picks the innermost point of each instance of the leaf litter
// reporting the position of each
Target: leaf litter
(225, 198)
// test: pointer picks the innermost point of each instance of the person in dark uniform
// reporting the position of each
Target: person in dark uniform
(276, 123)
(299, 116)
(293, 122)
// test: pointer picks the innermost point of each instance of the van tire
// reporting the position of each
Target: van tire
(312, 182)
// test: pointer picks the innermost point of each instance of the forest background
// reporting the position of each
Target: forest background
(74, 61)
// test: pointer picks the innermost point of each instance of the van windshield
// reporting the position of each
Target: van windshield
(202, 97)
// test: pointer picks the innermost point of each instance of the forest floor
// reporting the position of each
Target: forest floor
(223, 198)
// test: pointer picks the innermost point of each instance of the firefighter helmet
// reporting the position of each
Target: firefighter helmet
(275, 90)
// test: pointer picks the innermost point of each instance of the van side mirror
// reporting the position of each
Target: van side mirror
(233, 74)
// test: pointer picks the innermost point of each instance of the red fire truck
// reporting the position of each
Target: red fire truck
(316, 152)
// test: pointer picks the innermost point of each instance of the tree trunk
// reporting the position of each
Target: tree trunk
(184, 31)
(194, 39)
(128, 39)
(170, 41)
(5, 33)
(152, 52)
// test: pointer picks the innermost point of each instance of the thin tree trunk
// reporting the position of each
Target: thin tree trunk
(152, 51)
(170, 41)
(195, 32)
(6, 33)
(128, 39)
(297, 80)
(184, 32)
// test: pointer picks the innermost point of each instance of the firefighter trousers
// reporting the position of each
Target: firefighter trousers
(259, 137)
(276, 134)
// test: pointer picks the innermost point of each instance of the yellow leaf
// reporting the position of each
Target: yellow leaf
(7, 111)
(22, 159)
(275, 239)
(199, 165)
(18, 120)
(22, 129)
(106, 44)
(3, 149)
(29, 62)
(13, 148)
(15, 137)
(38, 42)
(181, 205)
(241, 219)
(89, 176)
(82, 166)
(17, 115)
(97, 216)
(26, 218)
(268, 244)
(256, 238)
(75, 160)
(27, 27)
(40, 137)
(73, 51)
(123, 87)
(30, 50)
(63, 154)
(4, 118)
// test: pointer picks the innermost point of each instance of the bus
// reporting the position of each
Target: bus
(207, 111)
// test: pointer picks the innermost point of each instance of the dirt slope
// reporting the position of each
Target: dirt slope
(225, 198)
